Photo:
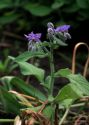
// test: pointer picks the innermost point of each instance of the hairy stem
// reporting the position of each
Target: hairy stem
(52, 71)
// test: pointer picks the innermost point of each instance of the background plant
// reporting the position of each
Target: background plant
(15, 13)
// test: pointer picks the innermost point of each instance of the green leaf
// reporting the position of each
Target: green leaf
(57, 5)
(83, 4)
(68, 1)
(28, 55)
(69, 91)
(5, 4)
(50, 98)
(59, 41)
(38, 10)
(80, 82)
(9, 102)
(18, 84)
(47, 82)
(63, 72)
(78, 88)
(66, 103)
(9, 18)
(48, 111)
(45, 43)
(29, 69)
(71, 8)
(2, 67)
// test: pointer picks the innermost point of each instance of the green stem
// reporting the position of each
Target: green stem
(64, 117)
(6, 120)
(75, 105)
(51, 70)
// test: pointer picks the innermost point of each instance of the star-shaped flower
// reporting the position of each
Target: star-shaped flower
(62, 28)
(33, 37)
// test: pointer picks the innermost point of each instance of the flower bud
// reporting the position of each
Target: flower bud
(50, 25)
(50, 31)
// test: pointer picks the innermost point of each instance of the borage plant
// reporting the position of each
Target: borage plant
(30, 105)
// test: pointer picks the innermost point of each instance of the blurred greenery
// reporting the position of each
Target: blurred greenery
(25, 14)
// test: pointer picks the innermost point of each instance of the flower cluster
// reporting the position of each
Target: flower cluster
(60, 32)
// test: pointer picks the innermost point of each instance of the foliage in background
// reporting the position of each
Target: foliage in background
(23, 13)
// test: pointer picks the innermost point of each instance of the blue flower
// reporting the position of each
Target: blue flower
(50, 30)
(63, 28)
(33, 37)
(61, 32)
(34, 40)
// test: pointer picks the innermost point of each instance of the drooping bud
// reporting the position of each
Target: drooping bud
(50, 25)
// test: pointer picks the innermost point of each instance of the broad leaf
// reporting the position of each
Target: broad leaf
(63, 72)
(65, 103)
(57, 5)
(47, 82)
(6, 4)
(28, 55)
(29, 69)
(69, 91)
(83, 3)
(71, 8)
(21, 86)
(38, 10)
(79, 87)
(80, 82)
(8, 18)
(48, 111)
(9, 102)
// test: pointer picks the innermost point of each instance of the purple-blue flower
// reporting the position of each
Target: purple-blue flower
(34, 40)
(63, 28)
(33, 37)
(60, 32)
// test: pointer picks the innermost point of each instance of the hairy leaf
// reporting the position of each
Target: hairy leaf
(29, 69)
(59, 41)
(80, 82)
(18, 84)
(28, 55)
(63, 72)
(9, 102)
(48, 111)
(68, 92)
